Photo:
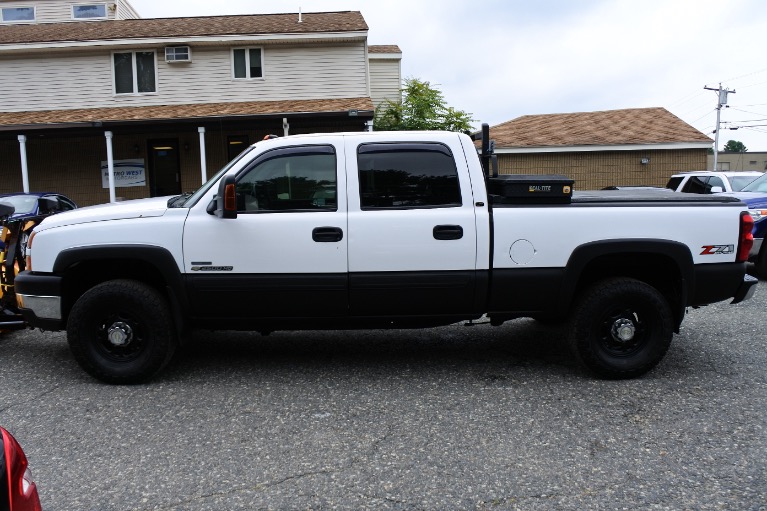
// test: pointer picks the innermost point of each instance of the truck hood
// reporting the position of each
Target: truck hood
(139, 208)
(754, 200)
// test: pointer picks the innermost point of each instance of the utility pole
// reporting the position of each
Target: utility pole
(721, 101)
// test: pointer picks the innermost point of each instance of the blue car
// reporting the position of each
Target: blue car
(30, 205)
(35, 206)
(755, 196)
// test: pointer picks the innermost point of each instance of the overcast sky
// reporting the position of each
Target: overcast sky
(500, 59)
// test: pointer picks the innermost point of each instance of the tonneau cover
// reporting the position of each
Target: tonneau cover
(661, 195)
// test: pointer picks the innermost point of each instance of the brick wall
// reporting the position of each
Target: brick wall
(596, 170)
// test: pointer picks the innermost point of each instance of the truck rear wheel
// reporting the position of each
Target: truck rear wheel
(121, 332)
(760, 264)
(621, 328)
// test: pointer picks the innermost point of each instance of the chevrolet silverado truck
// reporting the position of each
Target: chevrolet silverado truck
(381, 230)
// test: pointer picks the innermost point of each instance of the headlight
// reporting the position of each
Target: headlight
(757, 214)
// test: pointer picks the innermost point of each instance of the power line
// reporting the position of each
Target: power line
(747, 74)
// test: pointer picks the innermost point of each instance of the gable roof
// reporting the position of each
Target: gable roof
(142, 28)
(628, 127)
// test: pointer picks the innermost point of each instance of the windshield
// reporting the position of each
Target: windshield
(22, 204)
(760, 185)
(740, 182)
(190, 199)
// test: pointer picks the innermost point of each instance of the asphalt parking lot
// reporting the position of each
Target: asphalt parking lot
(463, 417)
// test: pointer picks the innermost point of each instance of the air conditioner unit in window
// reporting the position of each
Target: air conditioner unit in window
(174, 54)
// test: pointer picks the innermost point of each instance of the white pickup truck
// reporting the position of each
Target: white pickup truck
(381, 230)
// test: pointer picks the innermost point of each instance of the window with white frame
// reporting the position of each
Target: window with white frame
(135, 72)
(89, 11)
(20, 14)
(247, 63)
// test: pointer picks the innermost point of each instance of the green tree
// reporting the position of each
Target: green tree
(735, 146)
(423, 107)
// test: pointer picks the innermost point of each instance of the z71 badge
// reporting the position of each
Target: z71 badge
(717, 249)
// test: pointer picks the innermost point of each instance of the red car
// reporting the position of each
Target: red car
(17, 491)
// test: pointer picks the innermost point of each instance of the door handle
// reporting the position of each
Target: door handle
(327, 234)
(448, 232)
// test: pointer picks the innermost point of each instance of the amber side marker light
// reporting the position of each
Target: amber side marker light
(28, 257)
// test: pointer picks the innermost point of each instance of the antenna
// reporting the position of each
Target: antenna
(300, 19)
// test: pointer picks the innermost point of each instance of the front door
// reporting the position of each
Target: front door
(164, 170)
(284, 256)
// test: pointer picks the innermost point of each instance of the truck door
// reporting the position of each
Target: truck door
(412, 229)
(285, 255)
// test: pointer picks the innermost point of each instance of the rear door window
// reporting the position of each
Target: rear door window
(407, 175)
(696, 184)
(674, 183)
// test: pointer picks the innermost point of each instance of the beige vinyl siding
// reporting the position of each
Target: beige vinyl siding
(124, 11)
(85, 81)
(385, 80)
(56, 83)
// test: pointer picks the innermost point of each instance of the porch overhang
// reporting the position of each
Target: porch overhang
(148, 118)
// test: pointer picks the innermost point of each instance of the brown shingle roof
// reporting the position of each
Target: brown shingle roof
(612, 127)
(50, 118)
(346, 21)
(383, 48)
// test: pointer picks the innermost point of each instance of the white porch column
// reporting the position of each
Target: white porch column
(285, 127)
(110, 166)
(24, 166)
(203, 165)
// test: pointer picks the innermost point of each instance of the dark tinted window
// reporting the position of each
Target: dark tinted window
(407, 175)
(674, 183)
(696, 185)
(290, 179)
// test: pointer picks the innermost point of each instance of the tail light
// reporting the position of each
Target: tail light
(19, 490)
(746, 237)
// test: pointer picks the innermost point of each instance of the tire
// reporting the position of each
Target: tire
(760, 264)
(139, 321)
(621, 328)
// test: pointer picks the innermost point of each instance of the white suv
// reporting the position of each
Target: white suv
(709, 181)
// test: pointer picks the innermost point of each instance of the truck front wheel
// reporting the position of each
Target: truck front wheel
(121, 332)
(621, 328)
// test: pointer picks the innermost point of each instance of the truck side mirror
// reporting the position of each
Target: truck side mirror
(716, 189)
(226, 200)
